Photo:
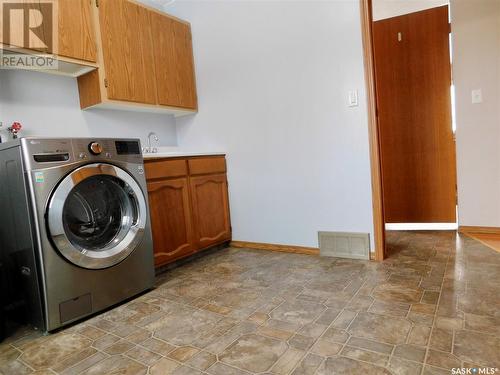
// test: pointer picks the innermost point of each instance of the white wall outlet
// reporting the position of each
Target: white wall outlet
(477, 96)
(353, 98)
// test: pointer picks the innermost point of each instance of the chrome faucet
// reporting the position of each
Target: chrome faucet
(151, 149)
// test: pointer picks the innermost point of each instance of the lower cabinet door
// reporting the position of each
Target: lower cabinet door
(210, 210)
(170, 220)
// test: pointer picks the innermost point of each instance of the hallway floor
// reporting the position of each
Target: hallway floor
(432, 306)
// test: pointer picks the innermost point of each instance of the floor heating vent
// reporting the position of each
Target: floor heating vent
(344, 245)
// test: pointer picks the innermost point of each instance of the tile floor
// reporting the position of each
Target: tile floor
(432, 306)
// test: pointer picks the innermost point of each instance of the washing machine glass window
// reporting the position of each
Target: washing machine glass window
(96, 216)
(99, 211)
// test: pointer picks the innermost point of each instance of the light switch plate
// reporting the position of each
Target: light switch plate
(477, 96)
(353, 98)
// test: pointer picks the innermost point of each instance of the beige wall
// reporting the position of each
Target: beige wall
(476, 65)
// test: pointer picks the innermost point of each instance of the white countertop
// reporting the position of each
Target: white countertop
(175, 152)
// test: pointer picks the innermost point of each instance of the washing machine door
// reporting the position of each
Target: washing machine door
(96, 216)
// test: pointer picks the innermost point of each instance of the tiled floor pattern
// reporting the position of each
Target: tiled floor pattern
(432, 306)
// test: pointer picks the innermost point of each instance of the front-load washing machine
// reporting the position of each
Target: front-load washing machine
(74, 231)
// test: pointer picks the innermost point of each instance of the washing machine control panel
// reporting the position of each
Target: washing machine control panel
(39, 152)
(128, 147)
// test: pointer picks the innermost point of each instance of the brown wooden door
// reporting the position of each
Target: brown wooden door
(174, 65)
(210, 209)
(170, 213)
(413, 78)
(125, 30)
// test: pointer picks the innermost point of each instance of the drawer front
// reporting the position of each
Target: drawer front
(207, 165)
(165, 169)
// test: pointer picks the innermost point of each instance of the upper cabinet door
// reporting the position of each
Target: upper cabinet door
(15, 35)
(76, 31)
(76, 37)
(125, 29)
(173, 53)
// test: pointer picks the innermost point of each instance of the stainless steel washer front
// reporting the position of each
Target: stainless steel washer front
(96, 216)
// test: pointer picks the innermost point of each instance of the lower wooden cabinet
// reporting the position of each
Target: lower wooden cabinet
(189, 205)
(170, 219)
(209, 195)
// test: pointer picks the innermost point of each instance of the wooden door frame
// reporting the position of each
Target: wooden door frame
(373, 131)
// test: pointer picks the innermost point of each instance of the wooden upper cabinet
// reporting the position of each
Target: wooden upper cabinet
(125, 29)
(16, 33)
(174, 65)
(171, 225)
(209, 195)
(76, 30)
(76, 37)
(145, 60)
(71, 38)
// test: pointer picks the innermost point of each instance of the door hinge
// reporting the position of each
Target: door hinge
(105, 82)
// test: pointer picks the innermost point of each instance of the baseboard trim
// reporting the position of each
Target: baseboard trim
(481, 230)
(276, 247)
